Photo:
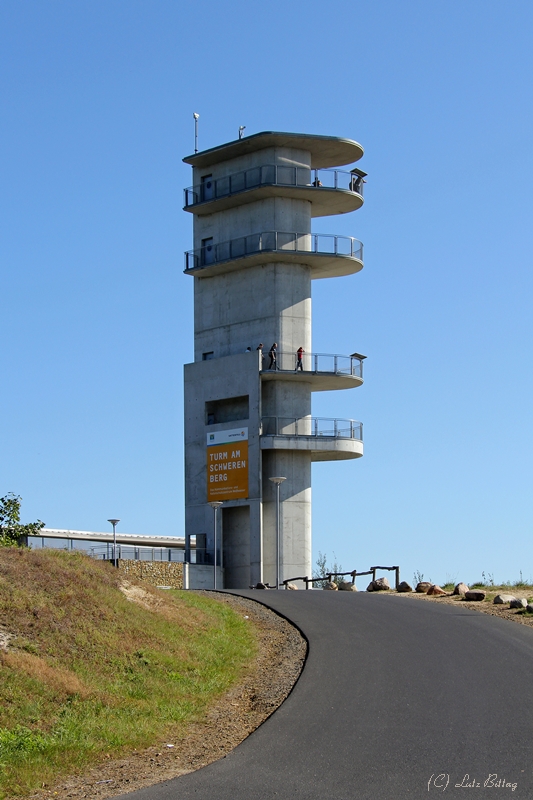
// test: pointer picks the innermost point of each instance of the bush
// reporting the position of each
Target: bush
(12, 533)
(323, 570)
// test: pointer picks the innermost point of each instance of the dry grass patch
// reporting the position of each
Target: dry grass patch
(87, 672)
(61, 682)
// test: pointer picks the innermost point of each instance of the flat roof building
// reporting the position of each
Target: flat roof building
(248, 392)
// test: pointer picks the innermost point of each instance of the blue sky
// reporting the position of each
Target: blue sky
(96, 315)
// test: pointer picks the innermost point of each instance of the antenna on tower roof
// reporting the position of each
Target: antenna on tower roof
(196, 118)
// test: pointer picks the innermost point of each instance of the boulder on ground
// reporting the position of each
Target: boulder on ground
(500, 599)
(520, 602)
(292, 586)
(261, 586)
(461, 589)
(347, 586)
(529, 608)
(379, 585)
(404, 587)
(331, 586)
(475, 594)
(422, 587)
(436, 591)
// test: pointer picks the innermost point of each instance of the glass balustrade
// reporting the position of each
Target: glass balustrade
(273, 175)
(322, 427)
(315, 362)
(324, 244)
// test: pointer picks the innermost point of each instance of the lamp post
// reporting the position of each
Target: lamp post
(215, 505)
(278, 482)
(196, 118)
(114, 523)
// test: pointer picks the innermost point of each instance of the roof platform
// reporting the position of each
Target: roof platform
(326, 151)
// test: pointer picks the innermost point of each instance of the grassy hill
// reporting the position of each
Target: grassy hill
(87, 670)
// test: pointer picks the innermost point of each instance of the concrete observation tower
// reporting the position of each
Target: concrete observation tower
(247, 420)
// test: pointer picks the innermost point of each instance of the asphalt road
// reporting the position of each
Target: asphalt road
(399, 698)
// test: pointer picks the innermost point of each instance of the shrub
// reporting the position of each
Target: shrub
(12, 533)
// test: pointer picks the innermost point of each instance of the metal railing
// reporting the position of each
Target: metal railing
(271, 242)
(133, 553)
(104, 551)
(322, 427)
(272, 175)
(315, 362)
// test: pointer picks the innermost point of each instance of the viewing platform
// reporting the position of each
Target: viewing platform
(330, 191)
(329, 256)
(327, 439)
(323, 371)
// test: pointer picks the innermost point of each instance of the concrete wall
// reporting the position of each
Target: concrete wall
(236, 538)
(295, 513)
(233, 376)
(236, 310)
(282, 156)
(269, 303)
(205, 381)
(233, 311)
(201, 576)
(271, 214)
(237, 376)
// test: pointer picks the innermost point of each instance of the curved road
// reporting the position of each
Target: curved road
(398, 699)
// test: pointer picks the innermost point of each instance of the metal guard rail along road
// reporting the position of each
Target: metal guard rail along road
(354, 573)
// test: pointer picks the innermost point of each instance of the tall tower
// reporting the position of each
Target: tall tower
(248, 419)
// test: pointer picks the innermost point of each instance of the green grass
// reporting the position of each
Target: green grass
(519, 588)
(487, 582)
(91, 673)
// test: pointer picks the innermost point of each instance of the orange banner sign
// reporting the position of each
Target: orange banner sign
(227, 465)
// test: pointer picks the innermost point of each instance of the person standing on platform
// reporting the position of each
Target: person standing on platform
(273, 356)
(299, 359)
(259, 350)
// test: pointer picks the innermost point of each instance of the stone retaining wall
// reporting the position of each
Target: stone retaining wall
(157, 573)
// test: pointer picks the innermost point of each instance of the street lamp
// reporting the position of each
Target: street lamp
(278, 482)
(114, 523)
(215, 505)
(196, 118)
